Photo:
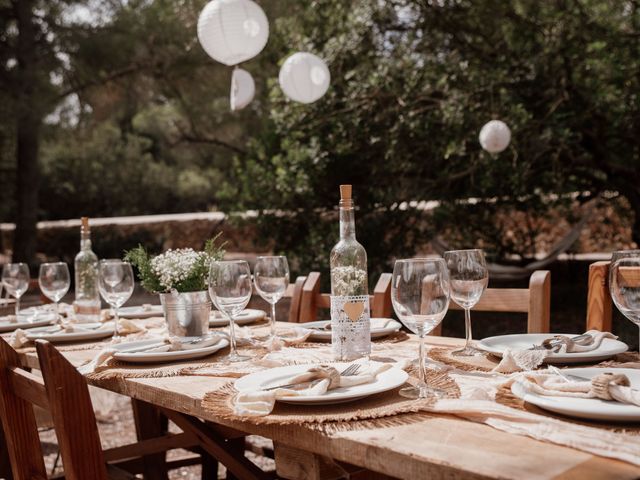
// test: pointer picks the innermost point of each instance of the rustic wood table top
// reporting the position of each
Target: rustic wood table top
(434, 446)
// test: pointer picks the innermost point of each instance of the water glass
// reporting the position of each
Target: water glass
(15, 278)
(420, 297)
(116, 283)
(271, 277)
(54, 281)
(624, 284)
(469, 278)
(230, 291)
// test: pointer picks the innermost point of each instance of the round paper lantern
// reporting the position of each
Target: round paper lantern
(304, 77)
(243, 88)
(232, 31)
(495, 136)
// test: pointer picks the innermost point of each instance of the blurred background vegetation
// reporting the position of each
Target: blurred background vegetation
(110, 107)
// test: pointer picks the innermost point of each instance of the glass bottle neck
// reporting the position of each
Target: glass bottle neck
(85, 241)
(347, 223)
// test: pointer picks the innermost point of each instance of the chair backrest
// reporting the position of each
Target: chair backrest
(599, 303)
(65, 393)
(294, 292)
(535, 301)
(311, 299)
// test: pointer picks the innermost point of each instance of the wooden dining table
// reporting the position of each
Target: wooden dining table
(435, 446)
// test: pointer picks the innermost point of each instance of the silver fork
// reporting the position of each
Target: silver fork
(350, 371)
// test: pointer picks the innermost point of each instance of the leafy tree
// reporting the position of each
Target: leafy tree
(412, 84)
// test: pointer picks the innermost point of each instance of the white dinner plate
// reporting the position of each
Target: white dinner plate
(141, 311)
(318, 332)
(589, 408)
(26, 320)
(160, 357)
(250, 315)
(387, 380)
(496, 345)
(84, 331)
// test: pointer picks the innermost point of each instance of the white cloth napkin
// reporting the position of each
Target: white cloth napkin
(261, 402)
(525, 360)
(606, 386)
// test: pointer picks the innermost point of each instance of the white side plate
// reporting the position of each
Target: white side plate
(83, 331)
(27, 321)
(387, 380)
(138, 311)
(161, 357)
(589, 408)
(496, 345)
(323, 335)
(250, 315)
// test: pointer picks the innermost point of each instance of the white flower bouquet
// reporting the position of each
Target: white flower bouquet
(181, 270)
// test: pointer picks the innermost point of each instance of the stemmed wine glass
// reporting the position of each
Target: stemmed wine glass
(420, 297)
(15, 278)
(624, 283)
(116, 285)
(230, 291)
(271, 277)
(54, 281)
(469, 278)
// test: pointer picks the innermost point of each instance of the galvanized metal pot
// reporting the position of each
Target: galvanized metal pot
(187, 314)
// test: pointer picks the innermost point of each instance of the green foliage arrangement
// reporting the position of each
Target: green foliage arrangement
(181, 270)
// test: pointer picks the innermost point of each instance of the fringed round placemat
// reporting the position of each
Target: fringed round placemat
(478, 363)
(505, 396)
(384, 405)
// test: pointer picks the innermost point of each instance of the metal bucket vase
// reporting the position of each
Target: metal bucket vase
(187, 314)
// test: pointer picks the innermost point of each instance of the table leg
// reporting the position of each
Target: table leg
(151, 423)
(292, 463)
(5, 463)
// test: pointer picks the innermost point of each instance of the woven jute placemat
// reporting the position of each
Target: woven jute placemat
(383, 405)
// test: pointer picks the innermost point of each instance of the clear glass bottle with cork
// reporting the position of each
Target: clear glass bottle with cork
(350, 317)
(86, 305)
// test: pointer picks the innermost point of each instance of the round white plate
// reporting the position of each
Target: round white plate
(27, 321)
(138, 311)
(250, 315)
(496, 345)
(159, 357)
(387, 380)
(325, 335)
(84, 331)
(589, 408)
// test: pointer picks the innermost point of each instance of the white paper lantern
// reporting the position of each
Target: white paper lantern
(495, 136)
(243, 88)
(232, 31)
(304, 77)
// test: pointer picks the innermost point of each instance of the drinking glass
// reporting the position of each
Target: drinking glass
(54, 281)
(469, 277)
(420, 297)
(15, 278)
(271, 277)
(115, 282)
(230, 291)
(624, 284)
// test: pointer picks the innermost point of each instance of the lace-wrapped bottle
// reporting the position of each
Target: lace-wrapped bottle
(86, 305)
(350, 322)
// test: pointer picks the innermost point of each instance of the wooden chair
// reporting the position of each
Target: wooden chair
(599, 303)
(308, 299)
(64, 392)
(535, 301)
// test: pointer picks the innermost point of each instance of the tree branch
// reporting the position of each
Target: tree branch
(212, 141)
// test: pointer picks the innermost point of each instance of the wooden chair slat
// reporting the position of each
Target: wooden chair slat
(599, 304)
(18, 423)
(151, 446)
(381, 306)
(29, 387)
(310, 292)
(296, 299)
(539, 320)
(73, 416)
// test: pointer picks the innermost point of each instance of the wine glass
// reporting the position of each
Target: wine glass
(230, 291)
(420, 297)
(469, 277)
(271, 277)
(115, 282)
(624, 283)
(15, 278)
(54, 281)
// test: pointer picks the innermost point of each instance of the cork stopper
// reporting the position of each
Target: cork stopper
(85, 224)
(345, 196)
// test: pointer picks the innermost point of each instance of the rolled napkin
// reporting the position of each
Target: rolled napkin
(525, 360)
(315, 381)
(606, 386)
